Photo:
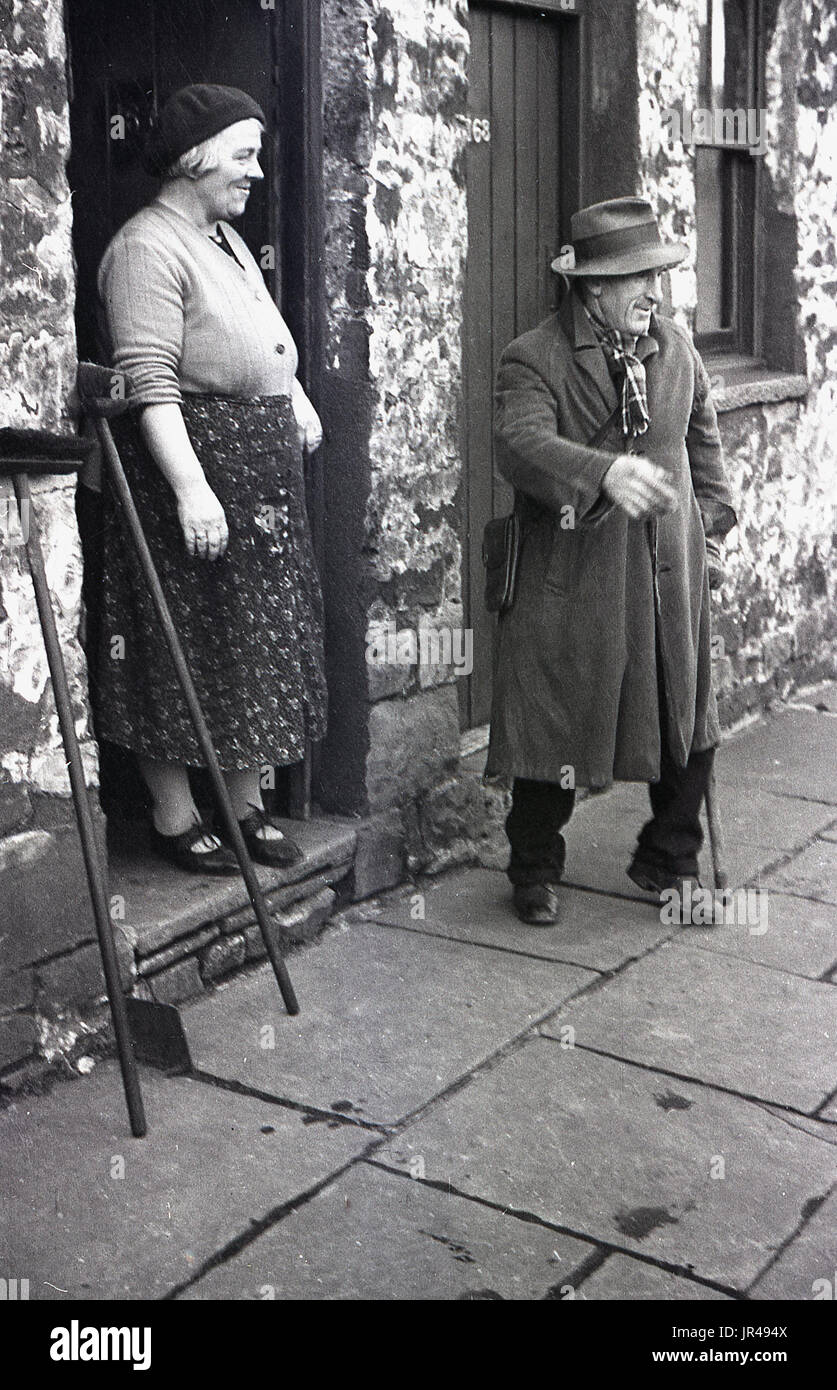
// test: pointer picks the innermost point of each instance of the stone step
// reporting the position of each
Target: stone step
(186, 931)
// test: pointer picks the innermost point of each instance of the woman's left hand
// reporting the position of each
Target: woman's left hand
(310, 430)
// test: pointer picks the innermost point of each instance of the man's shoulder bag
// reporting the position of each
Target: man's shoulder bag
(502, 542)
(501, 545)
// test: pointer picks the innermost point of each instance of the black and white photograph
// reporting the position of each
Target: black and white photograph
(418, 664)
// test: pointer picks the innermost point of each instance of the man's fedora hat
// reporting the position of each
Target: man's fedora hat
(619, 237)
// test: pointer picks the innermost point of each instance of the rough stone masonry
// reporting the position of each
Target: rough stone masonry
(44, 914)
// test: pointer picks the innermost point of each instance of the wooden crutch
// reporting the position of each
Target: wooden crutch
(95, 387)
(25, 452)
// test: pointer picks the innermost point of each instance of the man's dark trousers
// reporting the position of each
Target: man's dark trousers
(670, 841)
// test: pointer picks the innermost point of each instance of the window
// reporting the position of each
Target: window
(729, 137)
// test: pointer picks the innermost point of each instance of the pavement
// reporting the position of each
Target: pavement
(616, 1108)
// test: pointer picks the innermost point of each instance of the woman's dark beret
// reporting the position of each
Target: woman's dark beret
(194, 114)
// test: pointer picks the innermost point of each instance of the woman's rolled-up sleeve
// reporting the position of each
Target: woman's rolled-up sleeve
(142, 294)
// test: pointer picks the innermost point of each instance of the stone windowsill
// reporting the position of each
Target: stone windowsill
(737, 382)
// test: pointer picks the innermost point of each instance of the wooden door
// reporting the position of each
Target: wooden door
(522, 179)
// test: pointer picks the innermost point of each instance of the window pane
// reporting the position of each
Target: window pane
(705, 52)
(726, 55)
(714, 241)
(735, 87)
(718, 52)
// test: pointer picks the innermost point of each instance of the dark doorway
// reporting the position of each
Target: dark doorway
(125, 58)
(522, 173)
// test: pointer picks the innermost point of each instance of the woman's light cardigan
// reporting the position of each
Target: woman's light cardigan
(181, 316)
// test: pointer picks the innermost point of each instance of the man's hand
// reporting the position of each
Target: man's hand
(203, 521)
(640, 488)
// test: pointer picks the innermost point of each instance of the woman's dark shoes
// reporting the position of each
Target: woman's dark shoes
(278, 852)
(181, 850)
(537, 904)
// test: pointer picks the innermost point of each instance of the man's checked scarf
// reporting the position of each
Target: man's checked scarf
(615, 345)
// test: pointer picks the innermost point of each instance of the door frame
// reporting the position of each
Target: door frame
(298, 78)
(299, 184)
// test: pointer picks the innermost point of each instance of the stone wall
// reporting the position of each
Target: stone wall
(776, 613)
(396, 236)
(44, 910)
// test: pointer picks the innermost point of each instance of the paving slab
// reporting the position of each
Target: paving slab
(758, 830)
(161, 902)
(595, 931)
(211, 1164)
(625, 1156)
(372, 1235)
(812, 874)
(601, 837)
(808, 1268)
(389, 1019)
(801, 936)
(818, 1125)
(772, 819)
(776, 823)
(793, 754)
(718, 1019)
(600, 864)
(622, 1278)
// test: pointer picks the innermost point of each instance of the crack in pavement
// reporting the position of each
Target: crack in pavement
(809, 1209)
(532, 1219)
(659, 1070)
(316, 1112)
(259, 1226)
(788, 1119)
(484, 945)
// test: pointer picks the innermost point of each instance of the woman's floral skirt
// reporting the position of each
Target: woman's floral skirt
(251, 623)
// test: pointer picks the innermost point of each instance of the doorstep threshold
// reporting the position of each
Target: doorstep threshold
(157, 905)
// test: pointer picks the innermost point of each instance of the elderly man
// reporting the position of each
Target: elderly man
(606, 429)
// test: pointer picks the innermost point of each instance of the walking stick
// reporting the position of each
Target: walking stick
(41, 453)
(716, 835)
(94, 390)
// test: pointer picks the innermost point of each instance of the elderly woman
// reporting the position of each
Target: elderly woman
(214, 453)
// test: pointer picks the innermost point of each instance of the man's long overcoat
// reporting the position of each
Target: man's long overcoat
(575, 668)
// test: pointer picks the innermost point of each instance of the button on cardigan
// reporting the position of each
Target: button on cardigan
(181, 316)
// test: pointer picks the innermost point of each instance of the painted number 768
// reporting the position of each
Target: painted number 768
(479, 129)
